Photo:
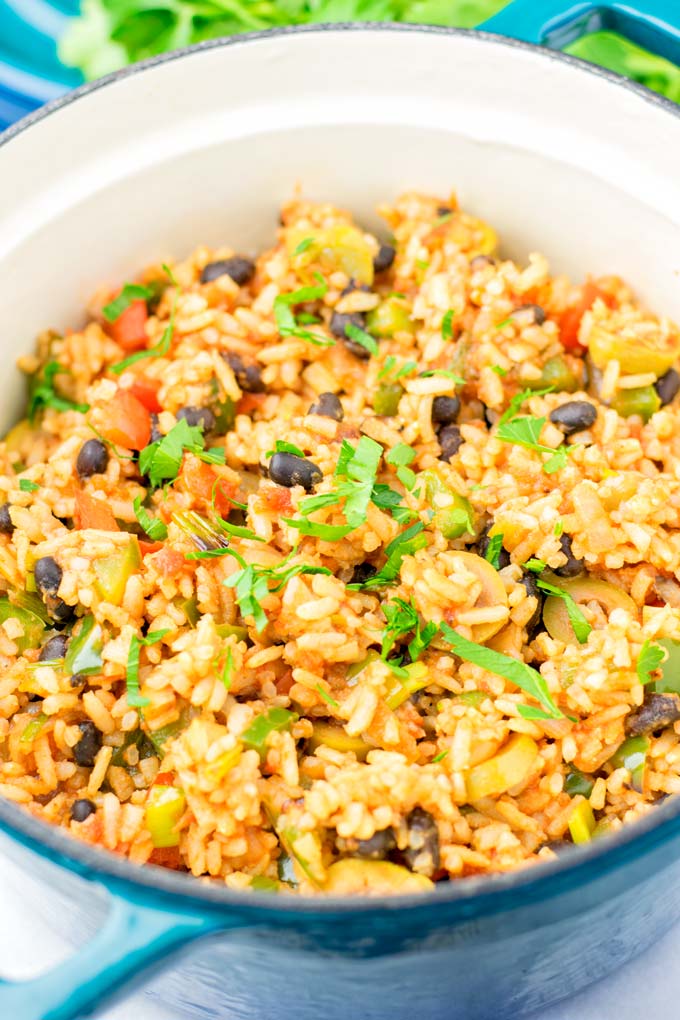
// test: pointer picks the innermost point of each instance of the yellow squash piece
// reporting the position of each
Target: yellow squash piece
(492, 594)
(506, 769)
(392, 316)
(582, 589)
(354, 876)
(113, 572)
(402, 689)
(582, 823)
(336, 738)
(340, 247)
(635, 355)
(164, 808)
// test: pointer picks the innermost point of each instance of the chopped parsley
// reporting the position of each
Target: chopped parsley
(285, 319)
(525, 677)
(280, 446)
(400, 456)
(361, 337)
(162, 460)
(525, 430)
(534, 565)
(649, 660)
(253, 583)
(519, 400)
(134, 698)
(439, 757)
(304, 244)
(493, 551)
(578, 621)
(445, 373)
(163, 346)
(405, 544)
(558, 529)
(402, 619)
(227, 674)
(26, 485)
(390, 366)
(386, 498)
(207, 554)
(447, 327)
(130, 292)
(327, 697)
(42, 392)
(502, 372)
(153, 526)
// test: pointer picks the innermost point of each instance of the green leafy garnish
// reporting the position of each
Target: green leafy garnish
(525, 431)
(390, 366)
(134, 698)
(285, 318)
(361, 337)
(227, 674)
(400, 456)
(153, 526)
(163, 346)
(558, 529)
(275, 719)
(26, 485)
(534, 565)
(649, 660)
(281, 446)
(447, 327)
(207, 554)
(493, 551)
(327, 697)
(130, 292)
(161, 460)
(439, 757)
(304, 244)
(445, 373)
(578, 621)
(42, 392)
(252, 583)
(402, 619)
(502, 372)
(83, 655)
(525, 677)
(405, 544)
(519, 400)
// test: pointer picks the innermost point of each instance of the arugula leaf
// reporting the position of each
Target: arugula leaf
(153, 526)
(42, 392)
(361, 337)
(161, 460)
(134, 698)
(578, 621)
(493, 551)
(26, 485)
(525, 677)
(650, 658)
(130, 292)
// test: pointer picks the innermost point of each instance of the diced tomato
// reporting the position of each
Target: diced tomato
(250, 402)
(200, 481)
(164, 779)
(146, 391)
(279, 500)
(147, 548)
(169, 561)
(129, 423)
(93, 513)
(166, 857)
(570, 321)
(129, 329)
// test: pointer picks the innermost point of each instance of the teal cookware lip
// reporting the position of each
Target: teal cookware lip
(487, 893)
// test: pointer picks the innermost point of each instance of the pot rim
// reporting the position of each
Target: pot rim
(489, 891)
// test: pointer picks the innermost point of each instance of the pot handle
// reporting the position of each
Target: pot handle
(134, 937)
(653, 24)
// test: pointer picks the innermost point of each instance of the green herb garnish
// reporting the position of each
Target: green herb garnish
(163, 346)
(525, 431)
(26, 485)
(578, 621)
(534, 565)
(227, 674)
(326, 697)
(285, 318)
(304, 244)
(649, 660)
(405, 544)
(153, 526)
(130, 292)
(281, 446)
(527, 679)
(447, 327)
(42, 392)
(493, 551)
(252, 583)
(134, 698)
(361, 337)
(161, 460)
(402, 619)
(439, 757)
(445, 373)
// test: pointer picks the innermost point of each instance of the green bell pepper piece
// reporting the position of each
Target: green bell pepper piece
(255, 736)
(84, 651)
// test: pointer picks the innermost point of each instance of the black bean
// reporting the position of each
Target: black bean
(156, 434)
(480, 261)
(531, 587)
(444, 210)
(558, 846)
(529, 315)
(658, 712)
(58, 610)
(450, 441)
(55, 648)
(328, 405)
(77, 681)
(573, 566)
(82, 809)
(422, 852)
(362, 573)
(200, 416)
(384, 258)
(289, 470)
(248, 373)
(445, 410)
(48, 575)
(352, 286)
(339, 323)
(238, 267)
(574, 416)
(6, 526)
(93, 459)
(667, 386)
(86, 749)
(483, 545)
(378, 847)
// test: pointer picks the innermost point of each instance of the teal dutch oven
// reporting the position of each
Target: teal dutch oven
(201, 146)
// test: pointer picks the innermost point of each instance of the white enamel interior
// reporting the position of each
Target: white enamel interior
(204, 149)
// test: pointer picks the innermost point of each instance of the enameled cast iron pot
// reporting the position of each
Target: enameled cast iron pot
(201, 146)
